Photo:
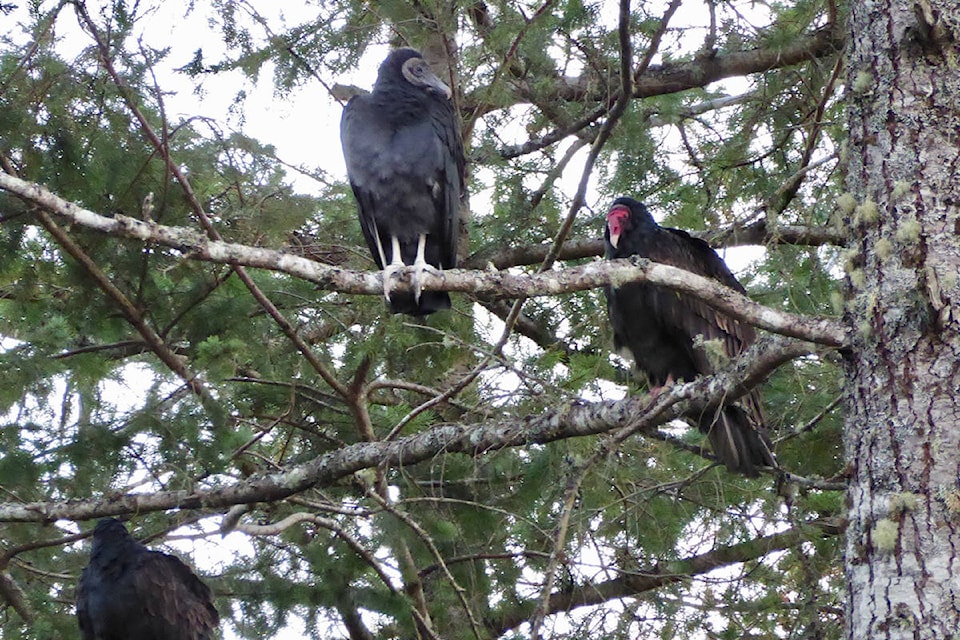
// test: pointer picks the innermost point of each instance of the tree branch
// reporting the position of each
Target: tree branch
(660, 80)
(757, 233)
(11, 592)
(579, 419)
(162, 149)
(626, 58)
(637, 582)
(526, 326)
(130, 312)
(680, 76)
(492, 284)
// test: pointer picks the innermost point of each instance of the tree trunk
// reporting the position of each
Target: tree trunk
(903, 428)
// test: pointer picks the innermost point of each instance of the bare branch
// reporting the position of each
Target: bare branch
(11, 592)
(586, 137)
(757, 233)
(575, 420)
(491, 284)
(635, 583)
(673, 77)
(539, 332)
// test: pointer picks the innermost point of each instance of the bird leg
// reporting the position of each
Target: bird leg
(376, 236)
(420, 265)
(396, 264)
(657, 390)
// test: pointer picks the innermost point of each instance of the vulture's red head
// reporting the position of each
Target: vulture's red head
(626, 217)
(618, 222)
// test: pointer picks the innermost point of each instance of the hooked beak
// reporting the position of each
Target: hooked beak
(615, 224)
(436, 84)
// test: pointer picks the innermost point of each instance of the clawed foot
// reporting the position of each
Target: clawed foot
(388, 273)
(418, 270)
(656, 391)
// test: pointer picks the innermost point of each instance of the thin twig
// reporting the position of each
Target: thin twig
(577, 475)
(288, 329)
(623, 418)
(332, 525)
(437, 556)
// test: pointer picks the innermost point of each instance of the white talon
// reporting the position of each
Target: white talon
(419, 266)
(396, 264)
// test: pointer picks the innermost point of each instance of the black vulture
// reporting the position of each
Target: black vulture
(405, 162)
(658, 328)
(128, 591)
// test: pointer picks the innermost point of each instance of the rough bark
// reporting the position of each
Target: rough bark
(903, 427)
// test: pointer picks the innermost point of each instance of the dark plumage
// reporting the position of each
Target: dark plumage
(658, 327)
(128, 591)
(404, 156)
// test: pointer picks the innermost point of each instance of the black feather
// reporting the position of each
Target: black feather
(128, 591)
(405, 163)
(659, 329)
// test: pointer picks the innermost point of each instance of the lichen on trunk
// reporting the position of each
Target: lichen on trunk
(903, 426)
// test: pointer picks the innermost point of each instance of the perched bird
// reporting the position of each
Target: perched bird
(405, 163)
(659, 328)
(128, 591)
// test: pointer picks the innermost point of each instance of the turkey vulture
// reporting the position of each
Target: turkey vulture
(128, 591)
(658, 327)
(405, 163)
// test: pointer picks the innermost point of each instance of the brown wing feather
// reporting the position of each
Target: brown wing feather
(694, 317)
(736, 432)
(173, 593)
(660, 326)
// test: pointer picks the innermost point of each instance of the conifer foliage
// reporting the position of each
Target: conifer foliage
(193, 334)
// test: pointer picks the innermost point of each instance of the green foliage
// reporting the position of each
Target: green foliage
(89, 410)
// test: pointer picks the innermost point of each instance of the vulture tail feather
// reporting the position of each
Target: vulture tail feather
(736, 442)
(430, 301)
